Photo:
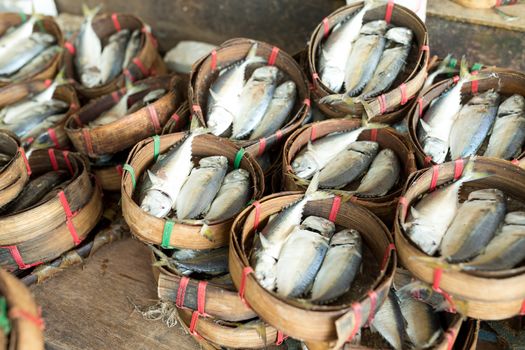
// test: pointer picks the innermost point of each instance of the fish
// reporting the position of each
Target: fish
(201, 187)
(299, 261)
(112, 56)
(337, 48)
(435, 126)
(474, 225)
(212, 262)
(43, 127)
(348, 165)
(35, 190)
(324, 227)
(19, 34)
(393, 61)
(506, 249)
(232, 196)
(508, 133)
(473, 124)
(37, 64)
(422, 323)
(88, 49)
(254, 100)
(390, 323)
(443, 68)
(18, 56)
(367, 48)
(278, 111)
(275, 233)
(31, 119)
(382, 175)
(321, 152)
(225, 91)
(132, 48)
(340, 266)
(164, 180)
(429, 219)
(150, 97)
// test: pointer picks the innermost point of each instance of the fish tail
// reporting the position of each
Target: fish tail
(312, 192)
(60, 78)
(471, 174)
(199, 130)
(444, 66)
(464, 73)
(90, 12)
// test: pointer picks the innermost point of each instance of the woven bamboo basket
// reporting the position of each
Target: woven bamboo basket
(128, 130)
(392, 105)
(147, 63)
(435, 62)
(179, 121)
(504, 81)
(484, 4)
(385, 206)
(60, 222)
(15, 174)
(150, 229)
(482, 295)
(48, 25)
(23, 316)
(17, 91)
(303, 321)
(109, 176)
(206, 71)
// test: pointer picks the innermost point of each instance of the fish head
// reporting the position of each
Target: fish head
(515, 218)
(156, 203)
(315, 223)
(332, 77)
(346, 237)
(436, 148)
(265, 73)
(219, 121)
(305, 166)
(513, 104)
(399, 35)
(214, 162)
(237, 175)
(374, 27)
(285, 91)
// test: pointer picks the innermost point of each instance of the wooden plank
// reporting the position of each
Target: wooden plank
(452, 11)
(87, 307)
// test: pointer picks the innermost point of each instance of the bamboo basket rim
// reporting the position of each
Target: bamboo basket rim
(15, 174)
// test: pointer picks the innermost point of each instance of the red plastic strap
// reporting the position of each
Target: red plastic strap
(326, 27)
(16, 312)
(213, 60)
(53, 136)
(420, 103)
(175, 117)
(262, 146)
(87, 140)
(425, 48)
(150, 34)
(382, 103)
(115, 95)
(373, 135)
(515, 162)
(145, 72)
(458, 168)
(356, 308)
(119, 169)
(69, 215)
(391, 247)
(247, 270)
(315, 76)
(70, 47)
(15, 253)
(451, 338)
(257, 206)
(280, 338)
(128, 74)
(522, 310)
(428, 160)
(47, 82)
(65, 204)
(435, 175)
(389, 10)
(455, 79)
(77, 120)
(116, 23)
(336, 204)
(307, 102)
(313, 132)
(154, 118)
(273, 56)
(279, 135)
(197, 108)
(193, 323)
(201, 297)
(181, 292)
(30, 140)
(53, 159)
(373, 304)
(474, 85)
(404, 205)
(26, 162)
(68, 162)
(403, 89)
(438, 273)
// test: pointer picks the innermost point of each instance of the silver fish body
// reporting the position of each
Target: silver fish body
(37, 64)
(278, 111)
(132, 48)
(423, 328)
(201, 187)
(254, 100)
(89, 50)
(340, 266)
(18, 56)
(382, 175)
(19, 34)
(43, 127)
(112, 57)
(348, 165)
(474, 226)
(232, 196)
(324, 227)
(35, 116)
(390, 323)
(473, 124)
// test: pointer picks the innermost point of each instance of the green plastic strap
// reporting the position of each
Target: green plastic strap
(166, 234)
(238, 158)
(4, 321)
(453, 62)
(23, 16)
(131, 171)
(156, 146)
(476, 67)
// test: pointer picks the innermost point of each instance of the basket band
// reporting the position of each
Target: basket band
(476, 67)
(131, 172)
(373, 135)
(522, 310)
(420, 107)
(455, 79)
(279, 134)
(245, 272)
(356, 309)
(451, 338)
(213, 60)
(89, 143)
(148, 32)
(4, 321)
(474, 84)
(336, 204)
(373, 304)
(26, 162)
(381, 99)
(453, 62)
(53, 159)
(68, 162)
(257, 217)
(119, 169)
(238, 158)
(175, 117)
(156, 146)
(23, 16)
(47, 83)
(166, 234)
(154, 117)
(438, 273)
(16, 312)
(193, 325)
(404, 207)
(69, 216)
(15, 254)
(458, 168)
(389, 249)
(201, 297)
(273, 56)
(262, 146)
(313, 132)
(281, 337)
(435, 176)
(53, 136)
(181, 292)
(70, 47)
(428, 160)
(389, 10)
(116, 23)
(326, 27)
(403, 90)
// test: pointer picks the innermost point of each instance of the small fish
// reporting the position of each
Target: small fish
(506, 249)
(36, 65)
(43, 127)
(443, 68)
(18, 56)
(301, 257)
(150, 97)
(232, 196)
(112, 56)
(211, 262)
(254, 100)
(88, 49)
(324, 227)
(473, 124)
(132, 48)
(382, 175)
(508, 134)
(31, 119)
(199, 190)
(340, 267)
(390, 323)
(278, 111)
(474, 226)
(164, 180)
(348, 165)
(19, 34)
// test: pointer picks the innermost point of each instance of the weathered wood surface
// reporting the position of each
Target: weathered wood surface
(88, 307)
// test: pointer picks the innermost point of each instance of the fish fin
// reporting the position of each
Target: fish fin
(265, 244)
(214, 96)
(156, 181)
(314, 184)
(413, 211)
(60, 78)
(463, 69)
(206, 232)
(90, 12)
(470, 174)
(426, 128)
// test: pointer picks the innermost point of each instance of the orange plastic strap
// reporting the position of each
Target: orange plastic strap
(474, 84)
(373, 304)
(404, 206)
(68, 162)
(420, 104)
(279, 135)
(382, 103)
(451, 338)
(154, 118)
(403, 89)
(438, 273)
(70, 47)
(391, 247)
(69, 216)
(193, 324)
(428, 160)
(88, 141)
(119, 169)
(280, 338)
(313, 132)
(522, 310)
(455, 79)
(373, 135)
